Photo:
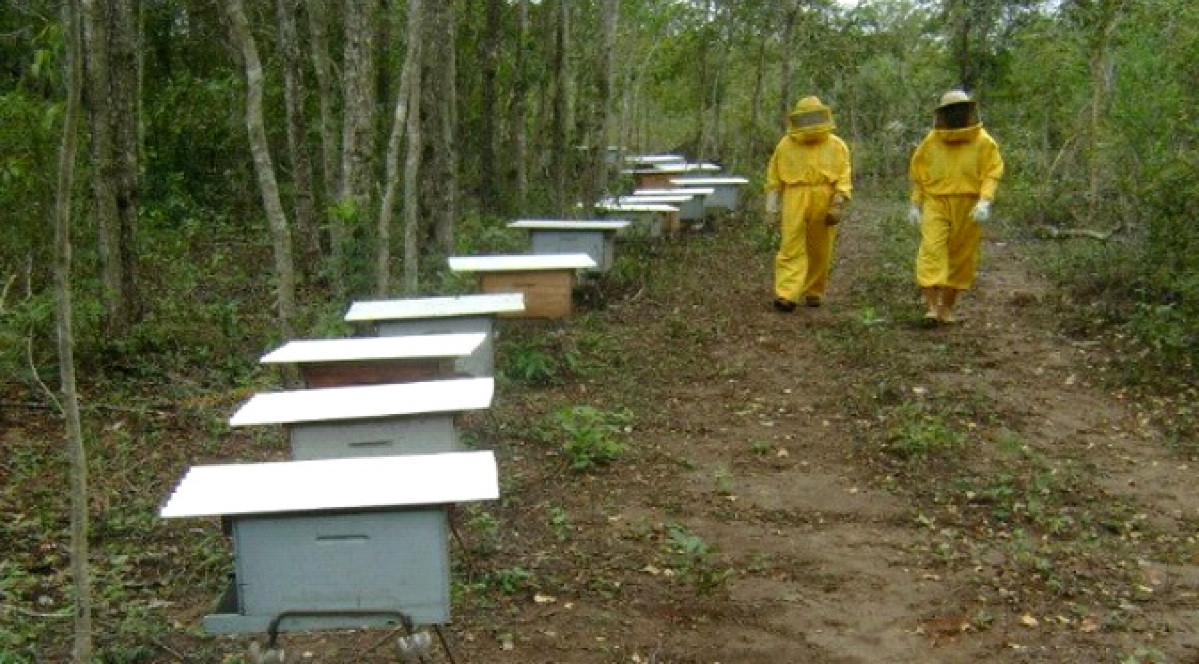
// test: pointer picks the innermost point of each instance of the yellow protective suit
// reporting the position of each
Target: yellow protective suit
(809, 167)
(951, 170)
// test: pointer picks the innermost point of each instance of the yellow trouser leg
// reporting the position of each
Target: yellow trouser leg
(801, 264)
(949, 242)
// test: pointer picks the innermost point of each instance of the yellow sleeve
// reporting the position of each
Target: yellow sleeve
(992, 170)
(844, 180)
(773, 183)
(916, 174)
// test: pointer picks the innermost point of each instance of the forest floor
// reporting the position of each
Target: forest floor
(834, 485)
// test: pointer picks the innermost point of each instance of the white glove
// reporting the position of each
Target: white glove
(914, 214)
(772, 202)
(981, 211)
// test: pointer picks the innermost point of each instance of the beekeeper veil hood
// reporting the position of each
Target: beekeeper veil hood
(956, 110)
(810, 120)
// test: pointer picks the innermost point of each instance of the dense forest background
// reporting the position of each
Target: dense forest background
(1093, 102)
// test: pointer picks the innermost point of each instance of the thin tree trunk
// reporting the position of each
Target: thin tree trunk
(125, 80)
(790, 17)
(398, 126)
(412, 181)
(521, 104)
(755, 104)
(264, 166)
(357, 142)
(1100, 58)
(607, 78)
(80, 574)
(491, 62)
(104, 164)
(449, 144)
(318, 35)
(558, 155)
(294, 94)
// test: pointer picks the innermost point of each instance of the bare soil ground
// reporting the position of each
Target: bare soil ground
(834, 485)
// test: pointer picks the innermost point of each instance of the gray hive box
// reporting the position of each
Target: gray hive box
(727, 189)
(651, 218)
(332, 540)
(442, 315)
(369, 420)
(546, 280)
(691, 208)
(660, 174)
(594, 237)
(376, 360)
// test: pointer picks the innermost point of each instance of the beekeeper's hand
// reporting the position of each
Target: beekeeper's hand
(836, 210)
(914, 215)
(981, 211)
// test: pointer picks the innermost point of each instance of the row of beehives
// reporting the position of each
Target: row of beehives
(353, 530)
(670, 192)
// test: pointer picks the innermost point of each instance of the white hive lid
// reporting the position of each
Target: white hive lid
(436, 307)
(655, 198)
(416, 346)
(570, 224)
(334, 484)
(678, 191)
(636, 207)
(687, 168)
(706, 181)
(359, 402)
(521, 262)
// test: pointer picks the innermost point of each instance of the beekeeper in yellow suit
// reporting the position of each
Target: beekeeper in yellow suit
(807, 188)
(955, 172)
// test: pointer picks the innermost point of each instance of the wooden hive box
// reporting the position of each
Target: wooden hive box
(335, 543)
(546, 280)
(375, 360)
(369, 420)
(594, 237)
(442, 315)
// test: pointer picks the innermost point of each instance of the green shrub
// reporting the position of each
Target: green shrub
(592, 436)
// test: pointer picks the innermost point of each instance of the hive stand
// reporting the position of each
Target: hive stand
(369, 420)
(376, 360)
(594, 237)
(726, 189)
(546, 280)
(335, 543)
(442, 315)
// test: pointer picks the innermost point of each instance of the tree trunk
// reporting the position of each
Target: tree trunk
(398, 126)
(125, 78)
(294, 94)
(449, 121)
(412, 180)
(1107, 15)
(520, 106)
(101, 111)
(790, 17)
(318, 35)
(357, 141)
(80, 573)
(558, 156)
(263, 165)
(491, 62)
(610, 18)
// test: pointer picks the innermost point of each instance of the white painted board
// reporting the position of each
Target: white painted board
(521, 262)
(570, 224)
(679, 191)
(436, 307)
(708, 181)
(334, 484)
(358, 402)
(687, 168)
(375, 348)
(655, 158)
(636, 207)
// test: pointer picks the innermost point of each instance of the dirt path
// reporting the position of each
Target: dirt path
(830, 486)
(764, 515)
